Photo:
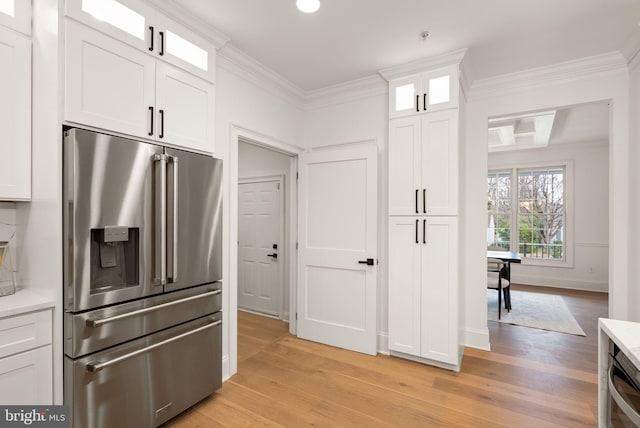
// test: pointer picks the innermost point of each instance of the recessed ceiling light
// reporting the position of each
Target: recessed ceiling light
(308, 6)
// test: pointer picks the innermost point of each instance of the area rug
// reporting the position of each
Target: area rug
(535, 310)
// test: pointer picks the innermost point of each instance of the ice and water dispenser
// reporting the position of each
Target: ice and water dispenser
(115, 258)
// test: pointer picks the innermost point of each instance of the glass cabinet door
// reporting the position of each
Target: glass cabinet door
(16, 14)
(404, 97)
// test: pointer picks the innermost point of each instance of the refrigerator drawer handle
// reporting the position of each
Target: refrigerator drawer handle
(99, 322)
(96, 366)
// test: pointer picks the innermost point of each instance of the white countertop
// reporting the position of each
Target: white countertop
(626, 335)
(23, 301)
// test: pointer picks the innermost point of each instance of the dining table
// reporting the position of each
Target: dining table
(506, 256)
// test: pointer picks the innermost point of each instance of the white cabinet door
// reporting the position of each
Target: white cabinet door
(129, 21)
(440, 89)
(405, 189)
(405, 284)
(439, 160)
(16, 14)
(109, 84)
(405, 97)
(439, 299)
(26, 378)
(185, 109)
(138, 25)
(15, 115)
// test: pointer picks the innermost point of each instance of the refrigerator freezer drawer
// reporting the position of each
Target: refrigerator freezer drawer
(146, 382)
(95, 330)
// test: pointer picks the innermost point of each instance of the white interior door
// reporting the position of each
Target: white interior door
(338, 221)
(260, 277)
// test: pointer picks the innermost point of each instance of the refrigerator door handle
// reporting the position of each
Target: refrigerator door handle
(172, 214)
(160, 261)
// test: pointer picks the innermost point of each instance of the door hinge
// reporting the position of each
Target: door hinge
(296, 316)
(296, 245)
(297, 175)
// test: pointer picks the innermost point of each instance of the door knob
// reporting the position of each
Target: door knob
(368, 262)
(274, 255)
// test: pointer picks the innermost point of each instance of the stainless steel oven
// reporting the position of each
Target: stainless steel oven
(624, 390)
(142, 280)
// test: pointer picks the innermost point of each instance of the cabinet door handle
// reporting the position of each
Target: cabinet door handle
(151, 128)
(424, 201)
(151, 45)
(161, 42)
(417, 201)
(161, 113)
(424, 231)
(424, 102)
(417, 222)
(418, 103)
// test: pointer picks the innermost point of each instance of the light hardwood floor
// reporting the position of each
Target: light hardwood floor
(532, 378)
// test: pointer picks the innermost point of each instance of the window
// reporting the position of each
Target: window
(530, 218)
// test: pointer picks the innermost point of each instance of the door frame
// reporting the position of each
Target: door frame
(286, 254)
(230, 258)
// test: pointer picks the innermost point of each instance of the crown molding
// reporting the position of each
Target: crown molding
(353, 90)
(612, 62)
(191, 21)
(236, 61)
(631, 48)
(422, 64)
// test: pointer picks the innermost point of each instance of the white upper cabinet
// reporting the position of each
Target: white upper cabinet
(114, 86)
(15, 115)
(138, 25)
(109, 84)
(423, 164)
(423, 93)
(186, 108)
(16, 14)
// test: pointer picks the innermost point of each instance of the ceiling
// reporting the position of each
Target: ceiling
(351, 39)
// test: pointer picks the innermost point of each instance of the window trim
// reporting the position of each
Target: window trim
(569, 195)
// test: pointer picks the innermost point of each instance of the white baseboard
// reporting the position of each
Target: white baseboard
(383, 343)
(226, 368)
(478, 339)
(555, 282)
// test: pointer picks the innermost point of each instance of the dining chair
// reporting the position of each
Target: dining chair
(496, 280)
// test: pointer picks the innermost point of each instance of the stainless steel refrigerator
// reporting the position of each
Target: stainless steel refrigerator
(142, 279)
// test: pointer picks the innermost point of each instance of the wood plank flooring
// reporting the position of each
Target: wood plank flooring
(532, 378)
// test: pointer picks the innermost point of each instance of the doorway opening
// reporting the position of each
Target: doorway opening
(264, 255)
(548, 202)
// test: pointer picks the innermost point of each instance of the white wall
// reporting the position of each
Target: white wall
(255, 161)
(584, 81)
(589, 218)
(246, 107)
(361, 120)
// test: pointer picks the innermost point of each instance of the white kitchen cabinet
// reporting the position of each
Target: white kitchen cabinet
(423, 311)
(114, 86)
(26, 376)
(140, 26)
(186, 108)
(15, 115)
(109, 84)
(423, 164)
(425, 92)
(16, 14)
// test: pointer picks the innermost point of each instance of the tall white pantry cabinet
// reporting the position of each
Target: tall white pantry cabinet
(423, 217)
